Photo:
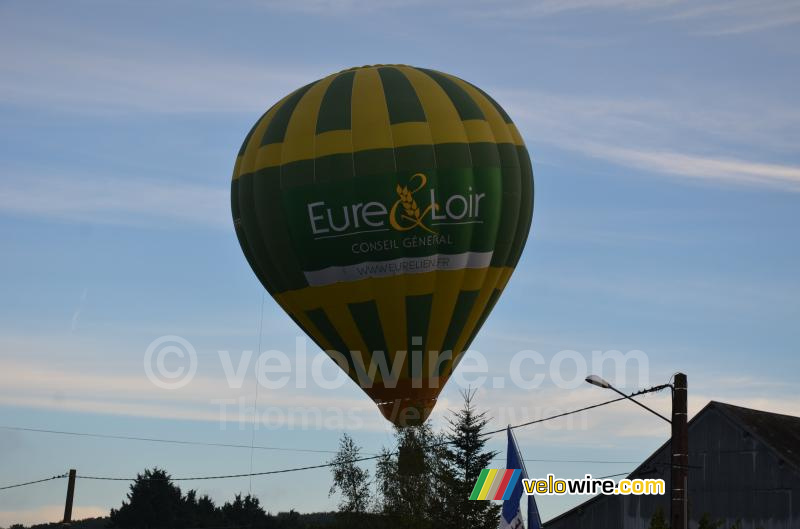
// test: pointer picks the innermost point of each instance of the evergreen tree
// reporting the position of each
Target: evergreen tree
(154, 502)
(658, 521)
(245, 511)
(467, 456)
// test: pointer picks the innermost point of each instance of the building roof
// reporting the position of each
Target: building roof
(781, 433)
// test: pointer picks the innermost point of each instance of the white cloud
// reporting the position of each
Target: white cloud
(714, 169)
(113, 200)
(660, 136)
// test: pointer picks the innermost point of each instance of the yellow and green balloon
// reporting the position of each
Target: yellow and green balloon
(385, 208)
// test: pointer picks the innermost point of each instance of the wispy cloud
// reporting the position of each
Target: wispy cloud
(662, 136)
(73, 73)
(112, 200)
(712, 169)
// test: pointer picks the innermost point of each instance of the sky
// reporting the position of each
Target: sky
(664, 137)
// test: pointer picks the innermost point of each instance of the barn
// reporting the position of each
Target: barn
(744, 468)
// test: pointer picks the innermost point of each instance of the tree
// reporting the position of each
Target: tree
(245, 511)
(467, 456)
(349, 479)
(658, 521)
(408, 479)
(154, 502)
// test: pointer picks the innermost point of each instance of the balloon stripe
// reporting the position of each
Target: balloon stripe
(370, 116)
(277, 127)
(401, 99)
(252, 234)
(273, 232)
(526, 208)
(506, 117)
(327, 331)
(463, 306)
(392, 320)
(303, 124)
(490, 111)
(467, 108)
(440, 112)
(418, 310)
(334, 112)
(487, 309)
(365, 316)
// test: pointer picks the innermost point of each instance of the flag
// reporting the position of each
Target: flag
(511, 517)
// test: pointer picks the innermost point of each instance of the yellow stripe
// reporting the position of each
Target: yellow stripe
(367, 289)
(445, 297)
(496, 122)
(443, 119)
(298, 144)
(268, 156)
(250, 156)
(392, 313)
(342, 321)
(478, 130)
(411, 133)
(333, 142)
(487, 484)
(370, 116)
(515, 135)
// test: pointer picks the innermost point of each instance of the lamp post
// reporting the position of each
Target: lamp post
(679, 444)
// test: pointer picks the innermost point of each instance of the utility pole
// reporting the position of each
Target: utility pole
(679, 446)
(70, 496)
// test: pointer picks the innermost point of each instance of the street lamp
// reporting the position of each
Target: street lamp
(679, 444)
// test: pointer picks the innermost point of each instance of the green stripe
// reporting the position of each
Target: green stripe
(243, 242)
(452, 155)
(493, 297)
(273, 232)
(276, 130)
(466, 299)
(373, 162)
(496, 105)
(418, 315)
(401, 98)
(467, 107)
(334, 111)
(414, 157)
(328, 331)
(369, 325)
(479, 484)
(250, 232)
(525, 210)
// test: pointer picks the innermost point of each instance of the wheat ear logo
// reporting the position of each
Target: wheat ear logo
(411, 216)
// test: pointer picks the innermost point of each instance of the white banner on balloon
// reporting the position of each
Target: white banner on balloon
(400, 266)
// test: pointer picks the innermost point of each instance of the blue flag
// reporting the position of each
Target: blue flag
(511, 517)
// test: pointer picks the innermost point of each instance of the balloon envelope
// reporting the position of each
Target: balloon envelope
(385, 208)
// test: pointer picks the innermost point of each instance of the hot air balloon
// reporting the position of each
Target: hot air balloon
(384, 208)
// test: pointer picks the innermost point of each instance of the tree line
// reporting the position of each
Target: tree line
(425, 482)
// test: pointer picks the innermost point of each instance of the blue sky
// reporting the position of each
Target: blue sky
(664, 140)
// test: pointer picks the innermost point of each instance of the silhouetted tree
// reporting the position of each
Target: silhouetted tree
(466, 456)
(349, 479)
(245, 511)
(154, 502)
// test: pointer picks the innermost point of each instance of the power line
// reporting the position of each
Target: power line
(587, 461)
(167, 441)
(356, 460)
(294, 469)
(60, 476)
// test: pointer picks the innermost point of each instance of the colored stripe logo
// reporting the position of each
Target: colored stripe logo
(495, 484)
